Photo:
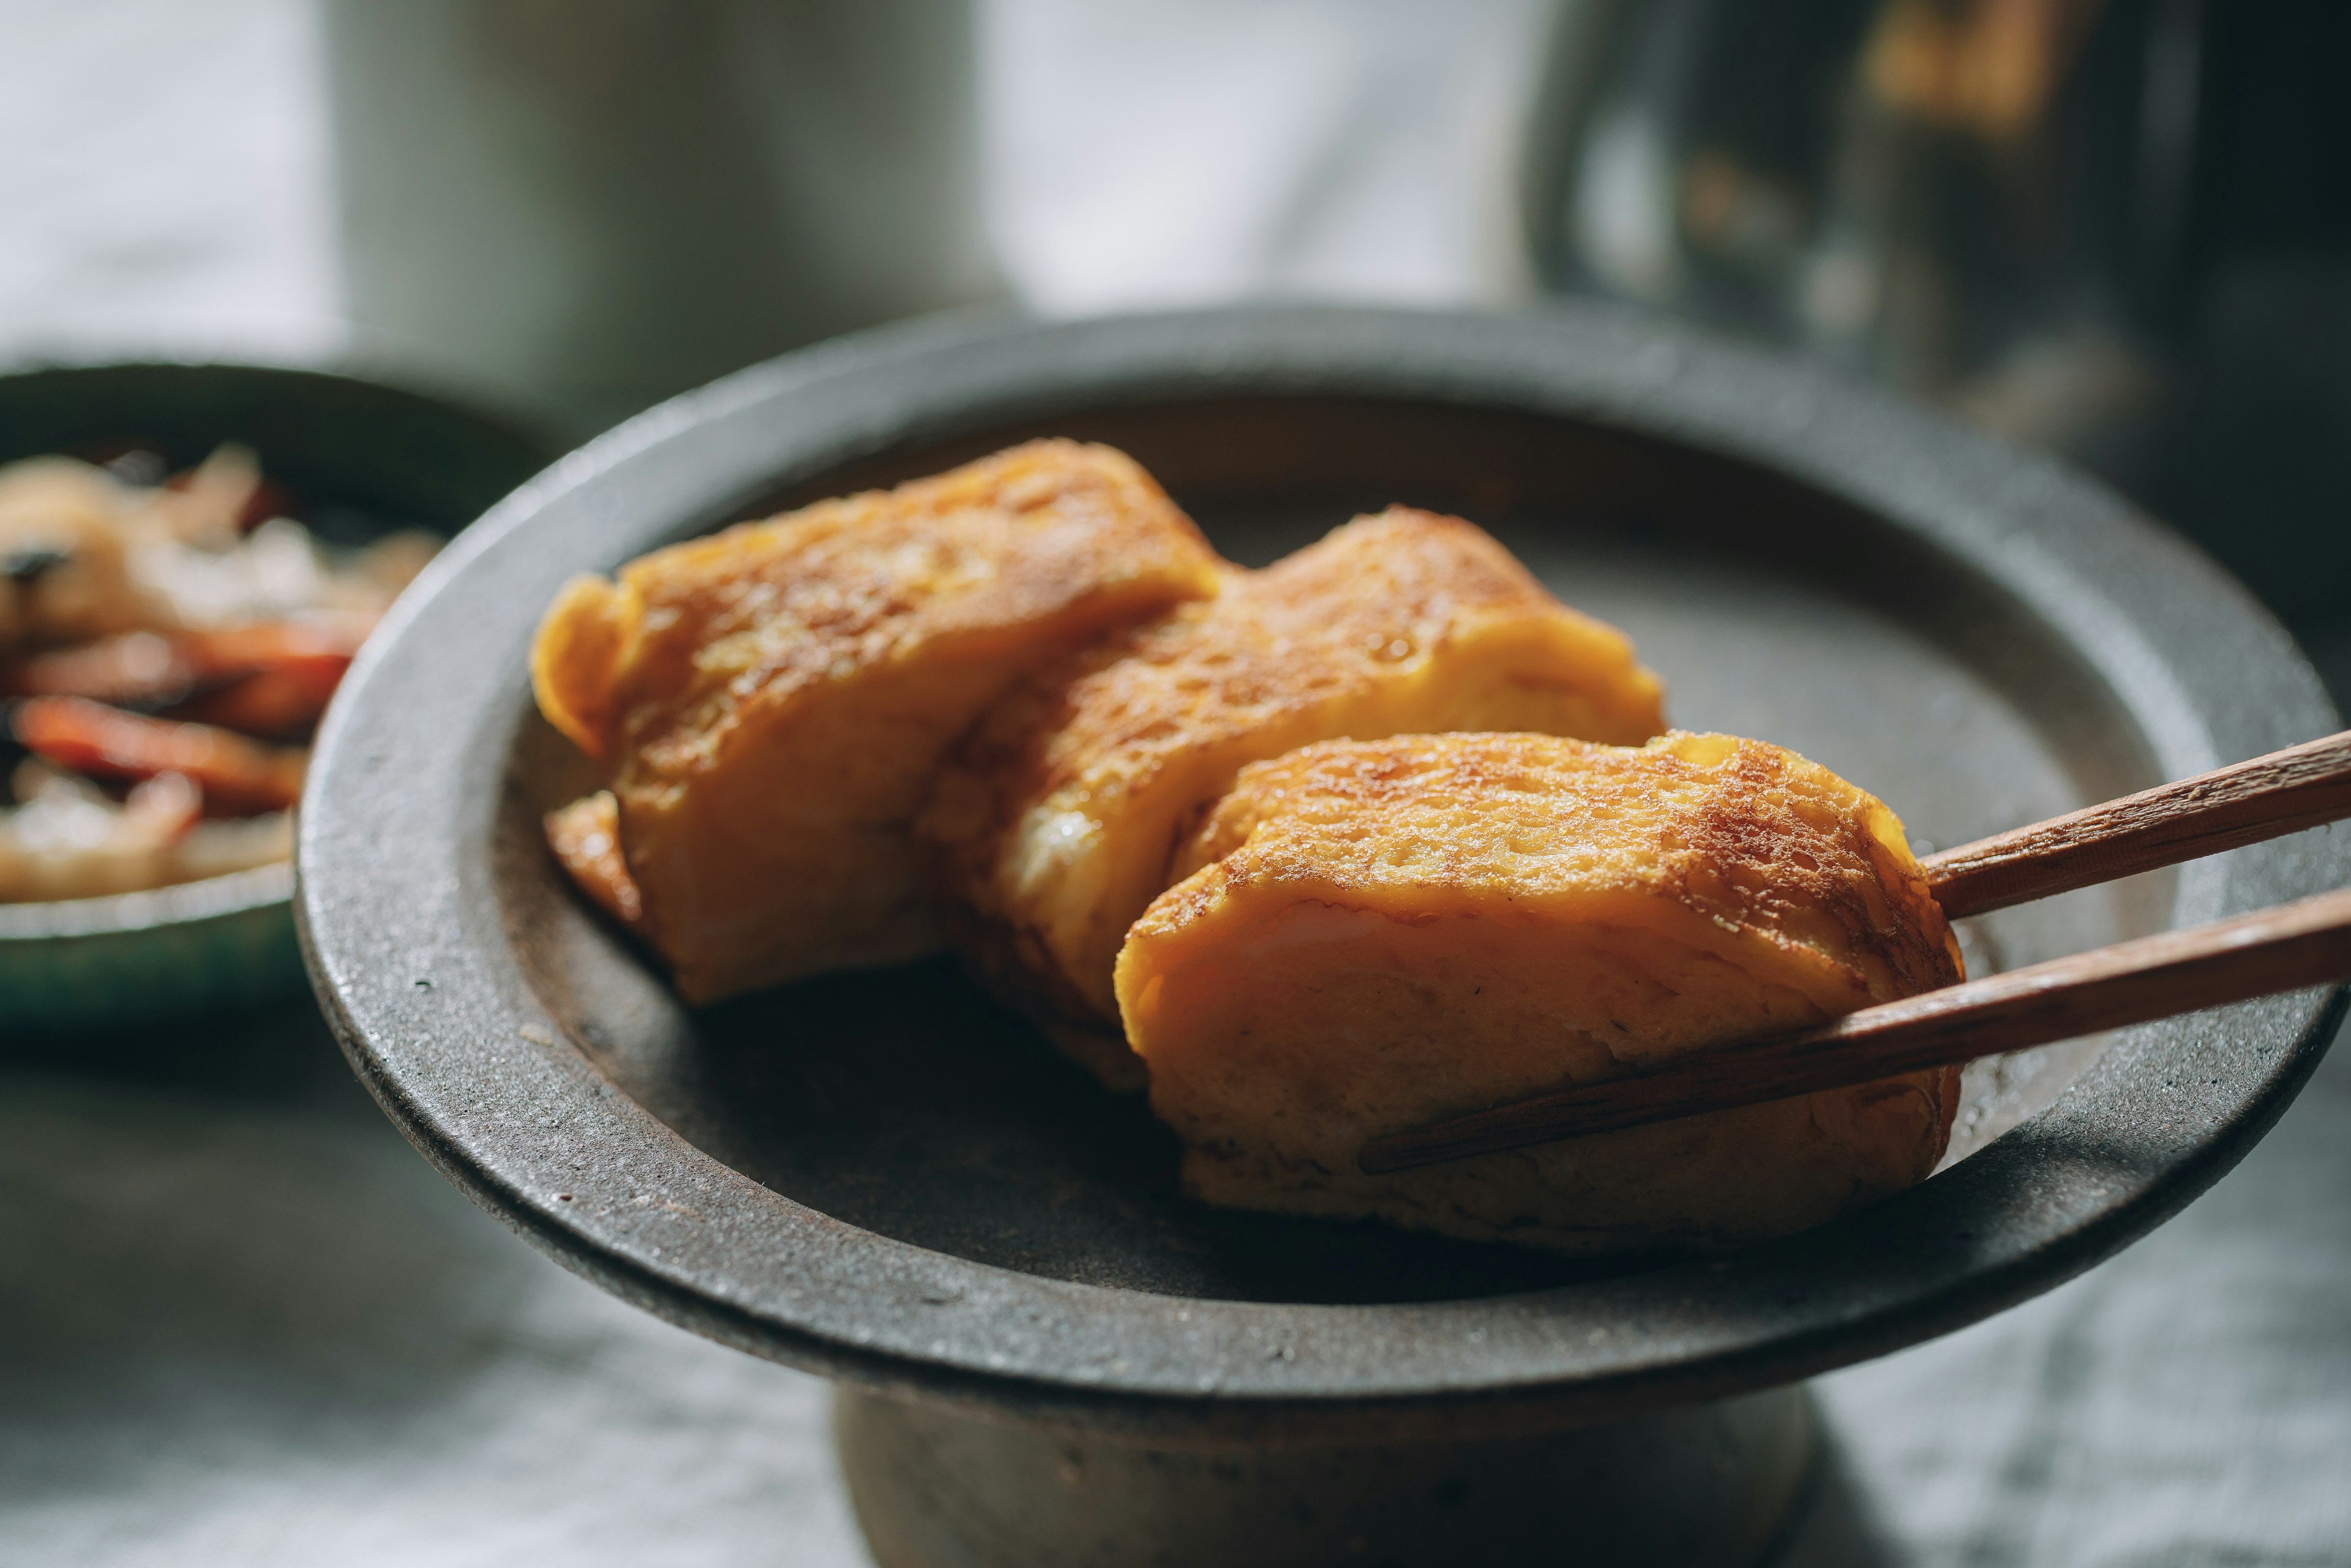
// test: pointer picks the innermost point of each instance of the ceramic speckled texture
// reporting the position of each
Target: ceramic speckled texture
(882, 1178)
(390, 456)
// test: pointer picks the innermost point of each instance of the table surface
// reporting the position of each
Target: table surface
(241, 1322)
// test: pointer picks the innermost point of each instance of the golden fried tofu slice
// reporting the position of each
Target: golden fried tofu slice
(1056, 824)
(772, 701)
(1372, 936)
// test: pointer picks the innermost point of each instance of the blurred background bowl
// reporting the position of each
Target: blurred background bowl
(366, 458)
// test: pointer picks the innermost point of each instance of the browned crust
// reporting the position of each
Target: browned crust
(1736, 830)
(1297, 631)
(1523, 852)
(1325, 622)
(704, 670)
(585, 839)
(821, 572)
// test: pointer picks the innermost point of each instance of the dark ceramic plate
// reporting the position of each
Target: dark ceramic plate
(884, 1178)
(363, 457)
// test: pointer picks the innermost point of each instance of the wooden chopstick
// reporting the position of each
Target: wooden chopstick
(2281, 949)
(2267, 798)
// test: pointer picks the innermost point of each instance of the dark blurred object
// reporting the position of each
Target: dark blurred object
(2118, 228)
(585, 205)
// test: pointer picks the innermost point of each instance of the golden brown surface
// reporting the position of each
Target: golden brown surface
(1056, 824)
(772, 701)
(585, 839)
(1375, 935)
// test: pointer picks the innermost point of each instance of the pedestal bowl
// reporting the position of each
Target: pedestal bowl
(1047, 1354)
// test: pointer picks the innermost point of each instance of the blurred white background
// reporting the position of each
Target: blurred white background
(167, 183)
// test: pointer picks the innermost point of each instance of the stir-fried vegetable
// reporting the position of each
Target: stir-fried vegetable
(163, 640)
(235, 777)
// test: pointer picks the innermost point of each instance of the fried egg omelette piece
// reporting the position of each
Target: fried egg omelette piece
(1374, 935)
(772, 701)
(1056, 824)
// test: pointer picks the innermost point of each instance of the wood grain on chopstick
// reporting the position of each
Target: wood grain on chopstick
(2264, 799)
(2281, 949)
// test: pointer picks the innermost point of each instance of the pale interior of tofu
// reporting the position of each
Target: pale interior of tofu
(1281, 1032)
(1084, 862)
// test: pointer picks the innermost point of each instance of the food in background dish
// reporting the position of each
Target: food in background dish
(770, 702)
(1054, 828)
(1374, 935)
(167, 644)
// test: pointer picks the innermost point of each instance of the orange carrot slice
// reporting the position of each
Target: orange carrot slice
(237, 778)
